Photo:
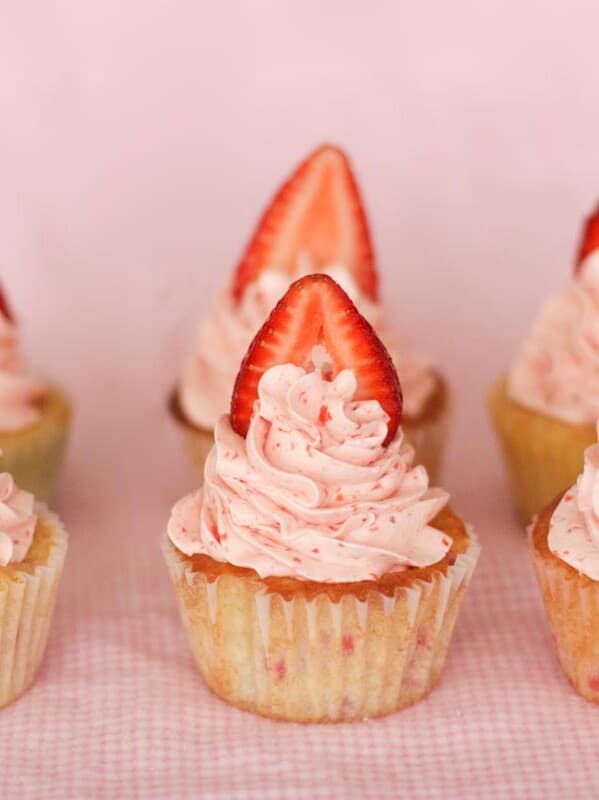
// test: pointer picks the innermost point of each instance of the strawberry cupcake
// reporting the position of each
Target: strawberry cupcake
(33, 546)
(564, 542)
(34, 418)
(315, 223)
(545, 408)
(318, 575)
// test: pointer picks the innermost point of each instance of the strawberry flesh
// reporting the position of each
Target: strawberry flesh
(316, 310)
(317, 213)
(589, 240)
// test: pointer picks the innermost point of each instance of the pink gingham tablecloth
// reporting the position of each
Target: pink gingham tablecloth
(119, 710)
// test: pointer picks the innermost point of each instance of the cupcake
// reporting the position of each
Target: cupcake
(564, 542)
(33, 546)
(315, 223)
(318, 576)
(34, 418)
(544, 410)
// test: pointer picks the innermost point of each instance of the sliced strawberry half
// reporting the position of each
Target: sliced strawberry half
(318, 211)
(316, 310)
(5, 308)
(589, 240)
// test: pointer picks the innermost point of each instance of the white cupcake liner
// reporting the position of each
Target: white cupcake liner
(26, 609)
(572, 605)
(317, 659)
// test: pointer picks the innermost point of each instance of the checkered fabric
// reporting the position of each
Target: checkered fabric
(119, 710)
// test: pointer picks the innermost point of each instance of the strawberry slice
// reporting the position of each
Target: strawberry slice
(589, 240)
(317, 212)
(316, 310)
(5, 308)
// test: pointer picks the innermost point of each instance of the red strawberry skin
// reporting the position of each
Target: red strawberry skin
(318, 211)
(316, 310)
(5, 309)
(589, 240)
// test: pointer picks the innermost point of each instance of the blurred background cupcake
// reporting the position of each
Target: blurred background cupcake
(315, 223)
(34, 417)
(545, 408)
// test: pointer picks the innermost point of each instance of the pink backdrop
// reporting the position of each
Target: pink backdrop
(139, 141)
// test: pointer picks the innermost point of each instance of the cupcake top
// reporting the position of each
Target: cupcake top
(20, 392)
(310, 476)
(316, 223)
(17, 521)
(574, 526)
(557, 370)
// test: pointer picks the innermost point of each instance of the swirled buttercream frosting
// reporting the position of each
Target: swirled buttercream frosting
(17, 521)
(311, 492)
(557, 370)
(574, 525)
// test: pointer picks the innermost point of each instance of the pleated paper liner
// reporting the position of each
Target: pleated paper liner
(543, 455)
(571, 601)
(27, 599)
(310, 652)
(427, 433)
(34, 455)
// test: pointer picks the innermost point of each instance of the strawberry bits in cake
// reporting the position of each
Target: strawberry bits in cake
(318, 575)
(316, 223)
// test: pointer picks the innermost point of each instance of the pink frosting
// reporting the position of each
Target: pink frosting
(574, 527)
(557, 370)
(311, 492)
(17, 521)
(19, 392)
(225, 335)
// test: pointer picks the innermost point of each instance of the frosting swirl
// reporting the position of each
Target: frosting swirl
(17, 521)
(557, 370)
(311, 492)
(225, 335)
(574, 527)
(19, 392)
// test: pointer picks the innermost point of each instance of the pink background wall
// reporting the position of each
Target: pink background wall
(140, 140)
